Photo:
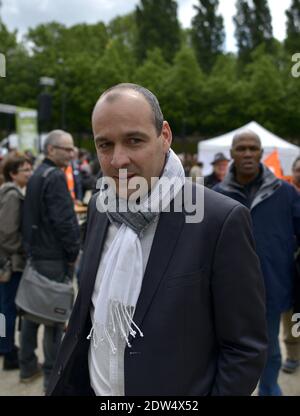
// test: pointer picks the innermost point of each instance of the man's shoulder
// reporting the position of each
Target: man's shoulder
(93, 201)
(289, 191)
(287, 186)
(216, 205)
(217, 202)
(46, 171)
(93, 212)
(212, 196)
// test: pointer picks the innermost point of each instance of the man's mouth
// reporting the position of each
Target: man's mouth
(124, 177)
(248, 164)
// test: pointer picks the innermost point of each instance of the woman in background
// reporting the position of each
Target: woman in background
(16, 171)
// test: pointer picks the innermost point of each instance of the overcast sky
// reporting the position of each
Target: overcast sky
(21, 14)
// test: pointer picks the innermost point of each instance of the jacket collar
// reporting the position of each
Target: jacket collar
(270, 183)
(49, 162)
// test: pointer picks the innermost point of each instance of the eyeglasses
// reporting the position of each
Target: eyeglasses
(25, 170)
(66, 149)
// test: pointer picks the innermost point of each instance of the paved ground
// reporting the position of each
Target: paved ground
(10, 385)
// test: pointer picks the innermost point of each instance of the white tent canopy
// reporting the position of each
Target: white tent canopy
(287, 152)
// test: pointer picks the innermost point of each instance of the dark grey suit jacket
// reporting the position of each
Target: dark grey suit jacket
(201, 309)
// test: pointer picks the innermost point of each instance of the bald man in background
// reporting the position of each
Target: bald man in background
(275, 211)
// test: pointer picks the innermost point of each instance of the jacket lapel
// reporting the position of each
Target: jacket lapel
(167, 233)
(92, 254)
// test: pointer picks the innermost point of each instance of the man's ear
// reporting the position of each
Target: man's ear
(50, 149)
(167, 136)
(261, 153)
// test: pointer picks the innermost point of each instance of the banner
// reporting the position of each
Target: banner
(273, 163)
(27, 130)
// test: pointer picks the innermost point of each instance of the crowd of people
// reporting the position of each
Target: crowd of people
(53, 247)
(197, 307)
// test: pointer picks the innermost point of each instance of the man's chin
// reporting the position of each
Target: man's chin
(126, 193)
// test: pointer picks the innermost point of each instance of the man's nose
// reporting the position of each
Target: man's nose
(120, 158)
(248, 153)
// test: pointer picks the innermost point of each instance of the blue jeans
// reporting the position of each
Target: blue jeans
(268, 385)
(8, 292)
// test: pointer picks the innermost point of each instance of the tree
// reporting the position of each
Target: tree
(243, 29)
(207, 33)
(8, 40)
(224, 92)
(182, 92)
(124, 29)
(157, 27)
(253, 27)
(152, 72)
(69, 55)
(292, 42)
(19, 86)
(265, 90)
(262, 30)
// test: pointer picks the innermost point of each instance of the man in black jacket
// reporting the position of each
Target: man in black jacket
(51, 239)
(165, 306)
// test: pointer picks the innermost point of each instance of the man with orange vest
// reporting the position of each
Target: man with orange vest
(73, 178)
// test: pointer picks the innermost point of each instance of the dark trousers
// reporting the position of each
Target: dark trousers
(268, 385)
(8, 292)
(28, 341)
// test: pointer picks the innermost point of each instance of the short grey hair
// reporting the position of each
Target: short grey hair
(246, 132)
(149, 97)
(52, 139)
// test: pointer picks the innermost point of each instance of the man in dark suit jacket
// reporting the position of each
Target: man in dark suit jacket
(200, 308)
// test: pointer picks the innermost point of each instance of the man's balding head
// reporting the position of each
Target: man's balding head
(59, 147)
(245, 134)
(116, 92)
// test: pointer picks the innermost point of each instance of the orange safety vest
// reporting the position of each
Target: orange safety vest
(70, 181)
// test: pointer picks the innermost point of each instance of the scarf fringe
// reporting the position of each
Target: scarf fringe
(120, 317)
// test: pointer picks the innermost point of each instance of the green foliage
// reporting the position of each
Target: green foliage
(151, 73)
(86, 59)
(253, 24)
(292, 42)
(124, 29)
(157, 27)
(265, 91)
(207, 33)
(182, 92)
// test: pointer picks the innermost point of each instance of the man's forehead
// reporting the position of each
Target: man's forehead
(133, 105)
(246, 138)
(66, 138)
(115, 96)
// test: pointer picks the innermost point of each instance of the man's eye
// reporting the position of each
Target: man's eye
(102, 146)
(134, 140)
